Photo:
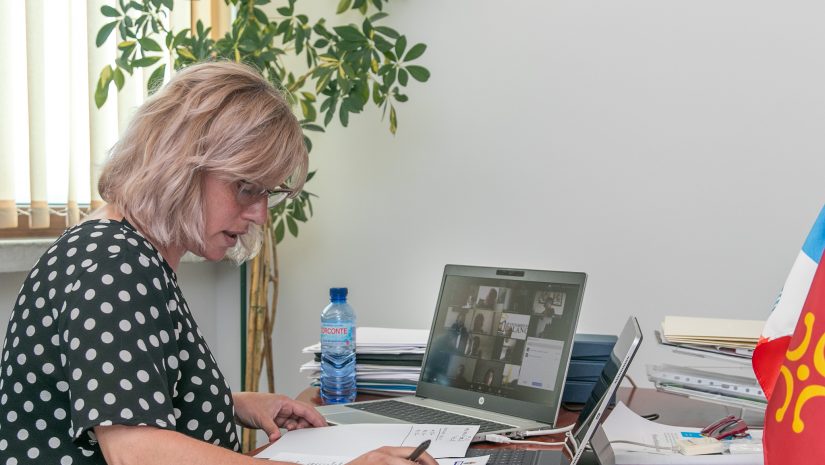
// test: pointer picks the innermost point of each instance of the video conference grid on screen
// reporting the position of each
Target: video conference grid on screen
(501, 337)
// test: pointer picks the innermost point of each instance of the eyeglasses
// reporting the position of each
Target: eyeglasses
(249, 194)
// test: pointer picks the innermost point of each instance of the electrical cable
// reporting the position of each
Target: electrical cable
(501, 439)
(651, 416)
(545, 432)
(505, 440)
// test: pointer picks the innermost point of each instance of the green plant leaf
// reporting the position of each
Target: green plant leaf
(349, 33)
(377, 96)
(102, 88)
(145, 61)
(312, 127)
(109, 11)
(378, 16)
(415, 52)
(403, 77)
(308, 110)
(298, 212)
(393, 120)
(343, 6)
(119, 78)
(149, 45)
(387, 31)
(104, 33)
(382, 44)
(343, 116)
(156, 79)
(260, 16)
(292, 225)
(186, 53)
(279, 231)
(420, 73)
(400, 46)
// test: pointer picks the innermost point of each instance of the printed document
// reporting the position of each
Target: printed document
(307, 459)
(350, 441)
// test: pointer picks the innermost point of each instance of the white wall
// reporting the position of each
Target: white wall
(672, 150)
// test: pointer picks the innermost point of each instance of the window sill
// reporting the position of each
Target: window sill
(20, 254)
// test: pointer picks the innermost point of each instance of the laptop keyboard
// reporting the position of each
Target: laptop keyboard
(418, 414)
(505, 456)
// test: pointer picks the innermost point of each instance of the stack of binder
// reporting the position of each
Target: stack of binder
(387, 360)
(587, 359)
(726, 342)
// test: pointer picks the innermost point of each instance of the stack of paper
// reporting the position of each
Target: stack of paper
(388, 360)
(719, 332)
(718, 340)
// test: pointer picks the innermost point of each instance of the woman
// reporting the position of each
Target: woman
(102, 361)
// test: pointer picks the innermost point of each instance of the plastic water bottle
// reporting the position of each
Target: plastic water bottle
(338, 349)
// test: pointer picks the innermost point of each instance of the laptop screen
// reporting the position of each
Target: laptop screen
(504, 335)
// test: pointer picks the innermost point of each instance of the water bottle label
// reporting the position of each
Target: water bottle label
(341, 333)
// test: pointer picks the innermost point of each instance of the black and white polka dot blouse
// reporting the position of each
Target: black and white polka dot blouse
(100, 334)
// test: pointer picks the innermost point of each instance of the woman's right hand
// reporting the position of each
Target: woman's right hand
(392, 456)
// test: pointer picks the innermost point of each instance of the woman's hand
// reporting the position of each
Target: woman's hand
(270, 412)
(392, 456)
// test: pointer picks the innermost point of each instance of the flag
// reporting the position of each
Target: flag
(773, 343)
(795, 417)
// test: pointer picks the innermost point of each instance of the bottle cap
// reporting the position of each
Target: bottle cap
(338, 293)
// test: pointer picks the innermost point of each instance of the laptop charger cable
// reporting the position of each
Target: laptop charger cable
(505, 440)
(501, 439)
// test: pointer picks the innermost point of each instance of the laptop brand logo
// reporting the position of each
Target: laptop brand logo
(481, 400)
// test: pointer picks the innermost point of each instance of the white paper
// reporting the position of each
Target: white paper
(371, 340)
(624, 424)
(354, 440)
(308, 459)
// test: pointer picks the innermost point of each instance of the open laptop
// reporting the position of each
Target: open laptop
(497, 356)
(590, 430)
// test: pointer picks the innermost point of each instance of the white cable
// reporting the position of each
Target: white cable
(505, 440)
(574, 443)
(543, 432)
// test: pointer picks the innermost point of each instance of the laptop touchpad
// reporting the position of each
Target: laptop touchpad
(348, 418)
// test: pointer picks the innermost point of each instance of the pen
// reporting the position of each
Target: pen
(419, 450)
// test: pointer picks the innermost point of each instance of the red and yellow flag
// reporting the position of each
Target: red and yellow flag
(795, 418)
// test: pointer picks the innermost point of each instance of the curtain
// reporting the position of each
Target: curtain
(53, 139)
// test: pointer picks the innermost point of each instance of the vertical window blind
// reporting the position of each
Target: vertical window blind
(53, 139)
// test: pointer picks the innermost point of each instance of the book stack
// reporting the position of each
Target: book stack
(387, 360)
(726, 347)
(587, 359)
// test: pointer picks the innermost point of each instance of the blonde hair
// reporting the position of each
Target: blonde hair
(218, 117)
